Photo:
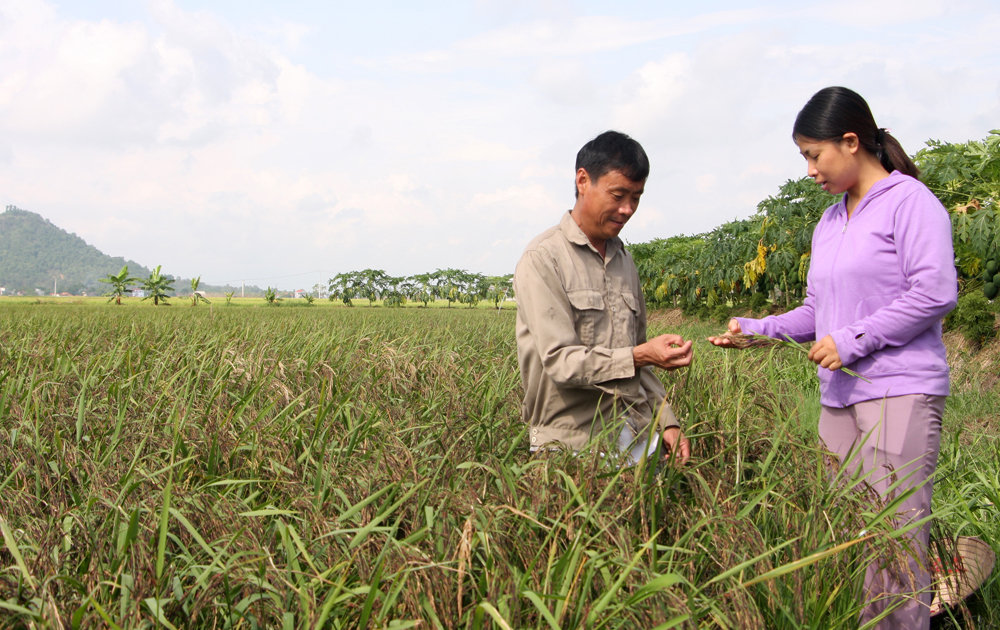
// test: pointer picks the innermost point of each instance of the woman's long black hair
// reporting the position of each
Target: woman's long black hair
(834, 111)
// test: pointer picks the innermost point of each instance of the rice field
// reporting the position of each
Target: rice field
(367, 467)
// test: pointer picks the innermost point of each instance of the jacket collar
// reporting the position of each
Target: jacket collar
(576, 236)
(877, 189)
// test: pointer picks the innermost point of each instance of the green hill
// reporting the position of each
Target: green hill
(34, 253)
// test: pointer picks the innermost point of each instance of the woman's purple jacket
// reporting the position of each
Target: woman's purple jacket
(880, 285)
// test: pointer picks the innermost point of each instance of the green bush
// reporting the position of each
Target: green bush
(758, 302)
(689, 307)
(721, 314)
(973, 317)
(703, 313)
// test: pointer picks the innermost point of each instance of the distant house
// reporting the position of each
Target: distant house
(3, 290)
(139, 293)
(300, 293)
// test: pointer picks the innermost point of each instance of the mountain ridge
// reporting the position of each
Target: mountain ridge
(37, 254)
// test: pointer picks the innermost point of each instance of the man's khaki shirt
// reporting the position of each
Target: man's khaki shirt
(578, 317)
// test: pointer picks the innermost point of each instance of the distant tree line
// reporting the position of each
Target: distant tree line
(454, 285)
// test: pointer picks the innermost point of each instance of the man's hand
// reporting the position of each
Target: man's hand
(677, 445)
(723, 340)
(824, 354)
(667, 352)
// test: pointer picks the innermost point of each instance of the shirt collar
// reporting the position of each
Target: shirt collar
(576, 236)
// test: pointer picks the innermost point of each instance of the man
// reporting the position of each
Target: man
(581, 317)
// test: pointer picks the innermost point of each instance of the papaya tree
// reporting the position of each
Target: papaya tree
(423, 288)
(454, 284)
(966, 178)
(343, 287)
(395, 292)
(499, 289)
(372, 284)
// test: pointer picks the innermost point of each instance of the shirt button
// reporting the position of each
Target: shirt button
(614, 309)
(533, 440)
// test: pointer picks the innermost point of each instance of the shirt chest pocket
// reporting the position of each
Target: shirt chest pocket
(588, 313)
(625, 320)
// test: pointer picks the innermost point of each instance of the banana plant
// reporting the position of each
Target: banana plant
(271, 297)
(195, 296)
(156, 287)
(119, 284)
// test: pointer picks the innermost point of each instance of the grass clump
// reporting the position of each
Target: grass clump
(974, 318)
(721, 313)
(758, 302)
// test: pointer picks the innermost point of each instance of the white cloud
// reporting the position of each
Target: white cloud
(591, 33)
(535, 170)
(567, 82)
(866, 14)
(706, 182)
(566, 35)
(189, 141)
(526, 199)
(650, 92)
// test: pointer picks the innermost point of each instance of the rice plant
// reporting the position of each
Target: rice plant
(344, 468)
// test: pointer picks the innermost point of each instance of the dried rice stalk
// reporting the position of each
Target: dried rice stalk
(742, 341)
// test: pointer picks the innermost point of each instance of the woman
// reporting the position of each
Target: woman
(881, 278)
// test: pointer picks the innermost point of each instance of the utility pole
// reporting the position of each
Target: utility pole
(243, 288)
(55, 286)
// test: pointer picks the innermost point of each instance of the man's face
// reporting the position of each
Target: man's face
(605, 206)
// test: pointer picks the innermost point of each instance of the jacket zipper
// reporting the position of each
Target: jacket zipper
(836, 254)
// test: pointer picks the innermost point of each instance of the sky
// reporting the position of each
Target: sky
(282, 143)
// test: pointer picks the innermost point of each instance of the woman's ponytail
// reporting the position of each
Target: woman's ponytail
(893, 157)
(834, 111)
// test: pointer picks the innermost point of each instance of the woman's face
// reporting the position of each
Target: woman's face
(832, 164)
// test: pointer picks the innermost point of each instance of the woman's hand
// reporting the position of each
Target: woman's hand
(723, 340)
(824, 354)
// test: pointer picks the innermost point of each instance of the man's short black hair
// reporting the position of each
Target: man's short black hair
(613, 151)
